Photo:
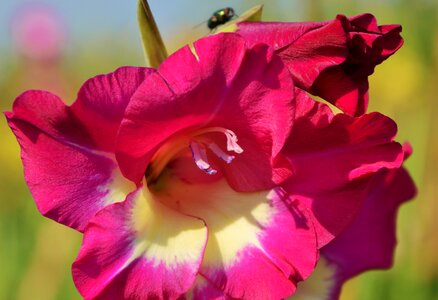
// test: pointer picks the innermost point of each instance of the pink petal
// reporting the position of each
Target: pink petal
(91, 121)
(369, 242)
(275, 246)
(363, 22)
(68, 173)
(306, 48)
(69, 182)
(332, 158)
(102, 101)
(275, 34)
(351, 94)
(271, 270)
(202, 289)
(244, 90)
(330, 59)
(139, 249)
(49, 114)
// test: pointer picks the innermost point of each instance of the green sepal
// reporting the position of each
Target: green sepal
(153, 46)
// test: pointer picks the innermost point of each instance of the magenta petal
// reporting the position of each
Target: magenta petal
(275, 34)
(306, 48)
(174, 100)
(332, 158)
(47, 112)
(69, 180)
(63, 148)
(330, 59)
(94, 118)
(351, 94)
(369, 242)
(68, 183)
(231, 87)
(102, 101)
(321, 48)
(270, 269)
(254, 277)
(260, 244)
(364, 22)
(202, 289)
(391, 39)
(134, 250)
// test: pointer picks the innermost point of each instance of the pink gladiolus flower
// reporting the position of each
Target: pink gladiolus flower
(211, 177)
(330, 59)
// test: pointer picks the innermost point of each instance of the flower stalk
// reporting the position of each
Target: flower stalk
(153, 45)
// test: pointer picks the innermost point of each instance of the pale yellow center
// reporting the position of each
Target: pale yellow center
(234, 220)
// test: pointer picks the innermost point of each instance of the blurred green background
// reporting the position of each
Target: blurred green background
(94, 37)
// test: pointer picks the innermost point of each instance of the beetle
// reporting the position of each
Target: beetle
(220, 17)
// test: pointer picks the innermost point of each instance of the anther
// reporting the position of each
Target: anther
(199, 154)
(221, 154)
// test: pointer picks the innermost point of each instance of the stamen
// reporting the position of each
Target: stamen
(231, 138)
(198, 143)
(232, 142)
(200, 157)
(221, 154)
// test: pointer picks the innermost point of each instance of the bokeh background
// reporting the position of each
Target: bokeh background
(57, 45)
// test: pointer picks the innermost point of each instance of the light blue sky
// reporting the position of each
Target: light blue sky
(87, 19)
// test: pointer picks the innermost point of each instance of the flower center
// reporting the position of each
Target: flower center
(199, 142)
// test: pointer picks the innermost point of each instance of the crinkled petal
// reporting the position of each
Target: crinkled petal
(68, 181)
(47, 112)
(306, 48)
(362, 23)
(391, 39)
(351, 94)
(102, 101)
(246, 90)
(67, 152)
(139, 249)
(333, 158)
(330, 59)
(260, 244)
(369, 241)
(346, 85)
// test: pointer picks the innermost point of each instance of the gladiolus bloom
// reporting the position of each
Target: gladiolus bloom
(211, 177)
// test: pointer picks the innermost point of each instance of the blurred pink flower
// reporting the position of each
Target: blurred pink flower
(38, 32)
